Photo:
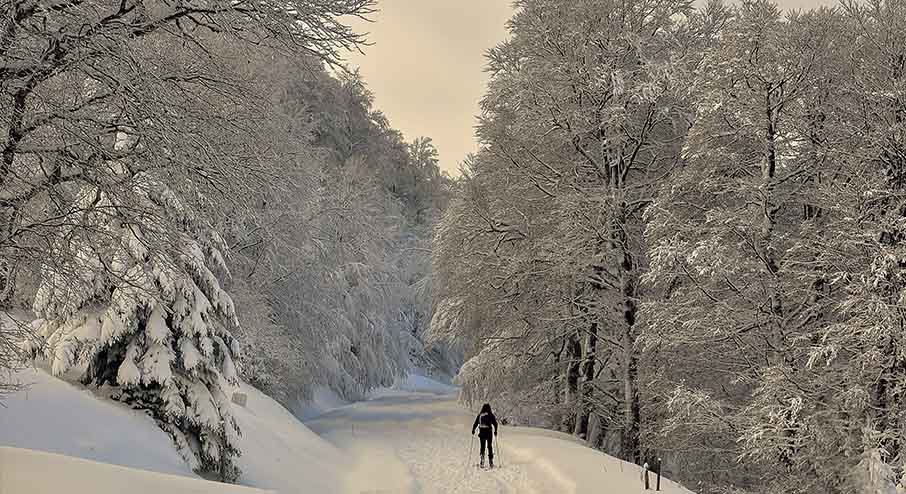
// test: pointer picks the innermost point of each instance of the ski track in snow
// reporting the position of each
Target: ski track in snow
(412, 443)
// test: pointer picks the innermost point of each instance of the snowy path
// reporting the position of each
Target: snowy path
(419, 443)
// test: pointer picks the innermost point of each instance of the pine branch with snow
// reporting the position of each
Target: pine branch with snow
(148, 317)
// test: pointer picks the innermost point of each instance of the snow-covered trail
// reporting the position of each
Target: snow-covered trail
(419, 443)
(416, 443)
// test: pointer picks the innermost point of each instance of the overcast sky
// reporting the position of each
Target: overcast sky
(426, 66)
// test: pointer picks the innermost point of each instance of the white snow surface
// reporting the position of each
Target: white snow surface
(419, 442)
(38, 472)
(322, 401)
(279, 452)
(55, 416)
(416, 382)
(411, 438)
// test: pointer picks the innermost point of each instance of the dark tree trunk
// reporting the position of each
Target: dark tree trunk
(9, 220)
(588, 377)
(630, 443)
(571, 397)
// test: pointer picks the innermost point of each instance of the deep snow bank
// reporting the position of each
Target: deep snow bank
(37, 472)
(51, 415)
(281, 453)
(572, 466)
(55, 416)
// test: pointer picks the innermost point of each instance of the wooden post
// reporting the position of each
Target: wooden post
(645, 466)
(658, 484)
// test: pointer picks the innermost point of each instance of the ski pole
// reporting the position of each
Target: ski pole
(499, 451)
(471, 444)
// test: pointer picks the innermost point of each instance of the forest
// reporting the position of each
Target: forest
(682, 238)
(185, 183)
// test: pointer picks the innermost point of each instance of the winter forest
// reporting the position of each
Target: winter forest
(185, 183)
(682, 239)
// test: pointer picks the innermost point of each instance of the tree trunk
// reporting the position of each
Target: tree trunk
(631, 446)
(597, 430)
(8, 262)
(573, 354)
(588, 377)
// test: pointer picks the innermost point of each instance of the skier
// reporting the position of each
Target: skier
(483, 423)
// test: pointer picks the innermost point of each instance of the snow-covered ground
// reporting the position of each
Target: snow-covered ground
(325, 400)
(55, 416)
(416, 442)
(411, 438)
(38, 472)
(279, 452)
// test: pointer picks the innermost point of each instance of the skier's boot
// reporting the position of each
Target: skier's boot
(481, 464)
(491, 462)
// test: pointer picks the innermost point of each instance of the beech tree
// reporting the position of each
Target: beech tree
(764, 249)
(581, 118)
(333, 261)
(74, 74)
(687, 245)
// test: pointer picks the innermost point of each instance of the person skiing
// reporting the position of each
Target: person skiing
(483, 422)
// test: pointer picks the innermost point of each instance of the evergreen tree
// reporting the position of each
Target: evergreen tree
(147, 315)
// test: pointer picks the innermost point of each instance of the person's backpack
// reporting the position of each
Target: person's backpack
(484, 420)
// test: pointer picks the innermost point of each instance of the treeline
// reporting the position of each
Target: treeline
(185, 183)
(683, 238)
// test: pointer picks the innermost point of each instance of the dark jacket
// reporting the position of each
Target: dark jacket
(484, 421)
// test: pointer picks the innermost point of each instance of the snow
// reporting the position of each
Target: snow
(280, 453)
(416, 383)
(54, 416)
(412, 437)
(323, 400)
(26, 471)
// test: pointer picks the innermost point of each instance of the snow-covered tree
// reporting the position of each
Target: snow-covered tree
(333, 264)
(117, 171)
(137, 305)
(581, 117)
(772, 255)
(757, 223)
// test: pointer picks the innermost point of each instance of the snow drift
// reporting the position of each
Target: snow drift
(278, 452)
(37, 472)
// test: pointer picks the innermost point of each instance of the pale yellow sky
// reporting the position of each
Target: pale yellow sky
(426, 67)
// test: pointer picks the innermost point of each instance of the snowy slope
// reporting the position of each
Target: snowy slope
(55, 416)
(279, 452)
(36, 472)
